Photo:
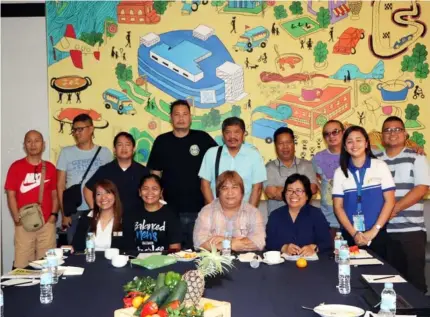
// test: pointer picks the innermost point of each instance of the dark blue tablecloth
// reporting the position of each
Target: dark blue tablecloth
(269, 291)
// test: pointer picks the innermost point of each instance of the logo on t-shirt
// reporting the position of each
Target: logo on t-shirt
(30, 182)
(147, 235)
(194, 150)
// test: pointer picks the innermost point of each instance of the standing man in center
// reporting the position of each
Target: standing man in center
(285, 165)
(176, 157)
(237, 156)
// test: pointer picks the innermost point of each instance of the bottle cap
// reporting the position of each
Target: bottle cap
(388, 285)
(338, 233)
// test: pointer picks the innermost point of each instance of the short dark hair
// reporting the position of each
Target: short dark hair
(126, 135)
(233, 121)
(283, 130)
(302, 179)
(344, 155)
(155, 177)
(179, 102)
(342, 127)
(83, 117)
(393, 119)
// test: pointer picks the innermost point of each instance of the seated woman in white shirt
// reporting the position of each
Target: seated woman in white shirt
(105, 221)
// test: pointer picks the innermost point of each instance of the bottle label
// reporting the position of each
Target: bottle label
(1, 300)
(344, 254)
(344, 269)
(90, 244)
(226, 244)
(388, 302)
(52, 261)
(337, 244)
(46, 278)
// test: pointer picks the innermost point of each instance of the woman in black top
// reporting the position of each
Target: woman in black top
(157, 227)
(105, 221)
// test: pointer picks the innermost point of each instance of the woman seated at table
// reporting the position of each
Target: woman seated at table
(228, 215)
(363, 193)
(105, 220)
(298, 228)
(156, 227)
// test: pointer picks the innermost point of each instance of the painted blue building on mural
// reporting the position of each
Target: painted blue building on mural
(246, 4)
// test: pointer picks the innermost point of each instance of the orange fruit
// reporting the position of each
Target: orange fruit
(302, 263)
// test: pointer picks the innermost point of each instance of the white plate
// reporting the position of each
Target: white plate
(338, 311)
(179, 256)
(281, 260)
(39, 264)
(362, 254)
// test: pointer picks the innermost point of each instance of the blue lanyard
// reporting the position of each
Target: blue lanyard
(359, 184)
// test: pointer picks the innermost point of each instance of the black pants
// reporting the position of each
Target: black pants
(380, 244)
(188, 221)
(408, 256)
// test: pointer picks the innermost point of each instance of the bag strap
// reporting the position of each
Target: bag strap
(91, 164)
(217, 160)
(42, 182)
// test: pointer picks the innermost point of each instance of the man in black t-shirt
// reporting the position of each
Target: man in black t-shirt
(176, 156)
(126, 174)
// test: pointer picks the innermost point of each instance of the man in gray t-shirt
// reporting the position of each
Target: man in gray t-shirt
(285, 165)
(72, 164)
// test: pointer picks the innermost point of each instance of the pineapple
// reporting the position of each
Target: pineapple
(209, 263)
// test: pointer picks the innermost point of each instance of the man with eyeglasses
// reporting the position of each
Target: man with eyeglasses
(406, 226)
(72, 164)
(22, 188)
(285, 165)
(325, 163)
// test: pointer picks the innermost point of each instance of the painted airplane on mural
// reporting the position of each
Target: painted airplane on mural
(76, 48)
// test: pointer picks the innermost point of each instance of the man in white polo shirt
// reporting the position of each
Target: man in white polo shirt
(406, 226)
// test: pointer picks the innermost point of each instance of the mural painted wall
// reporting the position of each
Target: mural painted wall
(273, 63)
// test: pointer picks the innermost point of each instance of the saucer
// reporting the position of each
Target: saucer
(281, 260)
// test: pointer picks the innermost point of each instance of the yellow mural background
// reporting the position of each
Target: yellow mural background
(102, 73)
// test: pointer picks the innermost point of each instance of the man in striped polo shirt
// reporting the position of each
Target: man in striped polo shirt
(406, 226)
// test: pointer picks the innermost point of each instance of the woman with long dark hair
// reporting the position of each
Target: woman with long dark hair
(105, 220)
(363, 192)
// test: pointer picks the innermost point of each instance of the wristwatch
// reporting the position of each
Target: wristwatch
(55, 214)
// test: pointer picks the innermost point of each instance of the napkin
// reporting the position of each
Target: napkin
(356, 262)
(313, 257)
(248, 257)
(147, 255)
(363, 254)
(370, 314)
(71, 270)
(396, 279)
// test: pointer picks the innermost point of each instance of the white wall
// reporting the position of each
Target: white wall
(24, 103)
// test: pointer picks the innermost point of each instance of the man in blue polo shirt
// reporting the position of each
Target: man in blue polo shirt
(406, 226)
(235, 156)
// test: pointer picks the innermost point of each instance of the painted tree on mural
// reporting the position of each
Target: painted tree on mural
(323, 17)
(123, 72)
(217, 3)
(320, 52)
(160, 6)
(296, 8)
(280, 12)
(92, 38)
(418, 138)
(416, 62)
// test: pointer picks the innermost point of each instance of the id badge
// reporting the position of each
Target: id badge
(359, 222)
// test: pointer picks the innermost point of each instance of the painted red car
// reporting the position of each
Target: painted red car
(348, 41)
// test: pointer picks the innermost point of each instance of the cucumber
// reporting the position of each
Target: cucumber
(160, 281)
(159, 296)
(178, 293)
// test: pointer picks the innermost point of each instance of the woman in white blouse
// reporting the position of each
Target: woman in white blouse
(105, 221)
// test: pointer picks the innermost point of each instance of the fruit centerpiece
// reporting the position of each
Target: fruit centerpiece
(173, 294)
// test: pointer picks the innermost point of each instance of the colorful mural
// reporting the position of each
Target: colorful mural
(273, 63)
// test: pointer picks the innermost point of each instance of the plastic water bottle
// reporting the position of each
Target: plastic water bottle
(226, 244)
(46, 296)
(91, 251)
(52, 260)
(1, 303)
(388, 301)
(337, 242)
(344, 269)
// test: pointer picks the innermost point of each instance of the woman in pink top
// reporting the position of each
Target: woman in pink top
(228, 215)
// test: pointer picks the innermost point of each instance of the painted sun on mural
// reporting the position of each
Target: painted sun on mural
(272, 63)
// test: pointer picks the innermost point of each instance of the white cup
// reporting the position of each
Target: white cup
(110, 253)
(272, 256)
(59, 253)
(119, 260)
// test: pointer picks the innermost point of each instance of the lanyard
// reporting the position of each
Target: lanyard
(359, 184)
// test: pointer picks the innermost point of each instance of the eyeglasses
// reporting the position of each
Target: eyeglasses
(392, 130)
(297, 191)
(80, 129)
(332, 133)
